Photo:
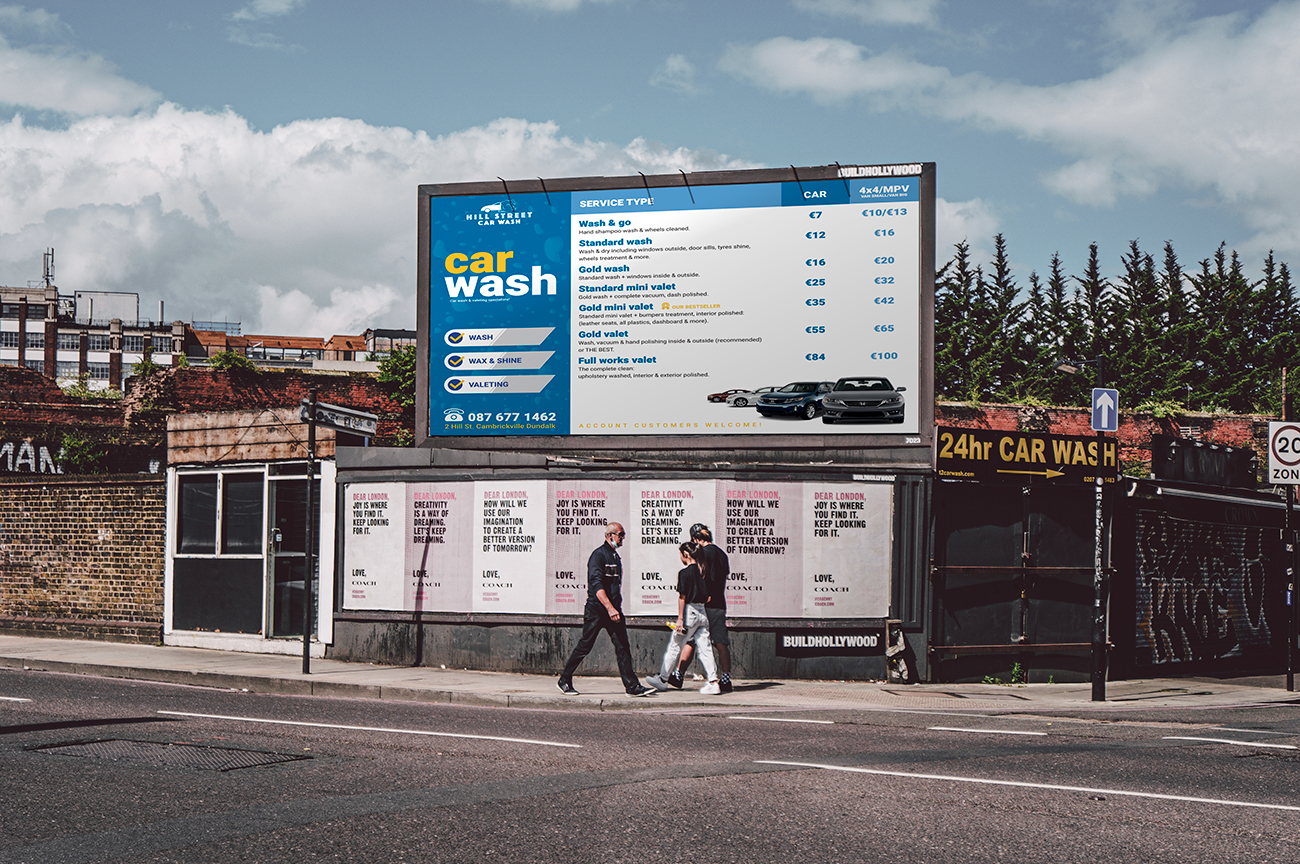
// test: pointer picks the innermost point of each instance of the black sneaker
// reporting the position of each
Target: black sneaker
(566, 688)
(675, 680)
(725, 686)
(641, 690)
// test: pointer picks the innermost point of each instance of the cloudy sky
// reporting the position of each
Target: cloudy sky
(258, 161)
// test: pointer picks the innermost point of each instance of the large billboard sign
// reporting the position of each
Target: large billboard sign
(708, 304)
(797, 549)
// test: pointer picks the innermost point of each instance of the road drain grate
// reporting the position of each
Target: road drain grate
(170, 755)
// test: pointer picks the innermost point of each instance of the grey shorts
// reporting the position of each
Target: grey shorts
(717, 626)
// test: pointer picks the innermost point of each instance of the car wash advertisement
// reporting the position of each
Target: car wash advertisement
(796, 549)
(639, 312)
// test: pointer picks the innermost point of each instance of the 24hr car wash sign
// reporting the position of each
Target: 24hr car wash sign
(620, 311)
(1024, 458)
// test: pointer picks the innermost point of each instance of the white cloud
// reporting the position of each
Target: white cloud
(349, 311)
(304, 229)
(14, 17)
(675, 73)
(971, 221)
(553, 5)
(260, 39)
(876, 11)
(260, 9)
(1208, 107)
(1138, 23)
(831, 70)
(69, 82)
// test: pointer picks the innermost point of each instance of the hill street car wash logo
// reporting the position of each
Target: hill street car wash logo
(498, 213)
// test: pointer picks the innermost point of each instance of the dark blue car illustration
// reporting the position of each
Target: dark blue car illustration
(797, 399)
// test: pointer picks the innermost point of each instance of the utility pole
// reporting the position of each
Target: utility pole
(308, 595)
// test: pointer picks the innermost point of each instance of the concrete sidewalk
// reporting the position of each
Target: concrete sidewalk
(281, 674)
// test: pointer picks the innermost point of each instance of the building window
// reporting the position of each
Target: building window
(67, 369)
(241, 514)
(9, 338)
(196, 531)
(99, 342)
(69, 342)
(9, 310)
(38, 365)
(98, 370)
(35, 340)
(134, 344)
(162, 343)
(238, 522)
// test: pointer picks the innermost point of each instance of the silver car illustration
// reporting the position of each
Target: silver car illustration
(746, 398)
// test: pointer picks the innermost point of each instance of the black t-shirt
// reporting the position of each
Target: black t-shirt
(713, 561)
(690, 584)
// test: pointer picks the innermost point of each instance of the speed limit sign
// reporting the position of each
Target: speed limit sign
(1283, 452)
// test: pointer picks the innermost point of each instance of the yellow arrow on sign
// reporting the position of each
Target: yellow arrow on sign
(1049, 473)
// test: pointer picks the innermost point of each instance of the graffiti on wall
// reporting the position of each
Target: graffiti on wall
(1201, 589)
(27, 457)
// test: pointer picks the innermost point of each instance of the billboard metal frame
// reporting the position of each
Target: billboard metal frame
(878, 448)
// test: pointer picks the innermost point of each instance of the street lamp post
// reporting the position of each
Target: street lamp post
(1071, 367)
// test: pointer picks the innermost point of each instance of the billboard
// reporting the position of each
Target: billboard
(805, 549)
(714, 304)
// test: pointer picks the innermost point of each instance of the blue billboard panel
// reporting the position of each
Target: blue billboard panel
(499, 284)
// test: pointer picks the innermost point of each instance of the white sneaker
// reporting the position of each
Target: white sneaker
(710, 689)
(657, 682)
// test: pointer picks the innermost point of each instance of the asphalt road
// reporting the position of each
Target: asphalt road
(109, 770)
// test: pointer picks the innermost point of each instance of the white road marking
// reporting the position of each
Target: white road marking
(1230, 741)
(1251, 731)
(983, 731)
(784, 720)
(13, 699)
(1025, 785)
(369, 729)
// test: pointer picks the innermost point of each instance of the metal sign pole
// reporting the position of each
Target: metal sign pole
(1099, 573)
(1098, 606)
(308, 598)
(1288, 543)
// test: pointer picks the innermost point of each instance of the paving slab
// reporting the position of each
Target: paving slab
(282, 674)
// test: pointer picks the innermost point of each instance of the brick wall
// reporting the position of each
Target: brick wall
(83, 557)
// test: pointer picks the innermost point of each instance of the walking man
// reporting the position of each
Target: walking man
(604, 612)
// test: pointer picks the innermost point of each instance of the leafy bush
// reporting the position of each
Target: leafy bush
(232, 361)
(80, 454)
(397, 371)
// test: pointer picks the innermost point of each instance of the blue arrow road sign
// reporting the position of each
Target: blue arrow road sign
(1105, 410)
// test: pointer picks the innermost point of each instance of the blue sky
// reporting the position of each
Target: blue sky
(258, 161)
